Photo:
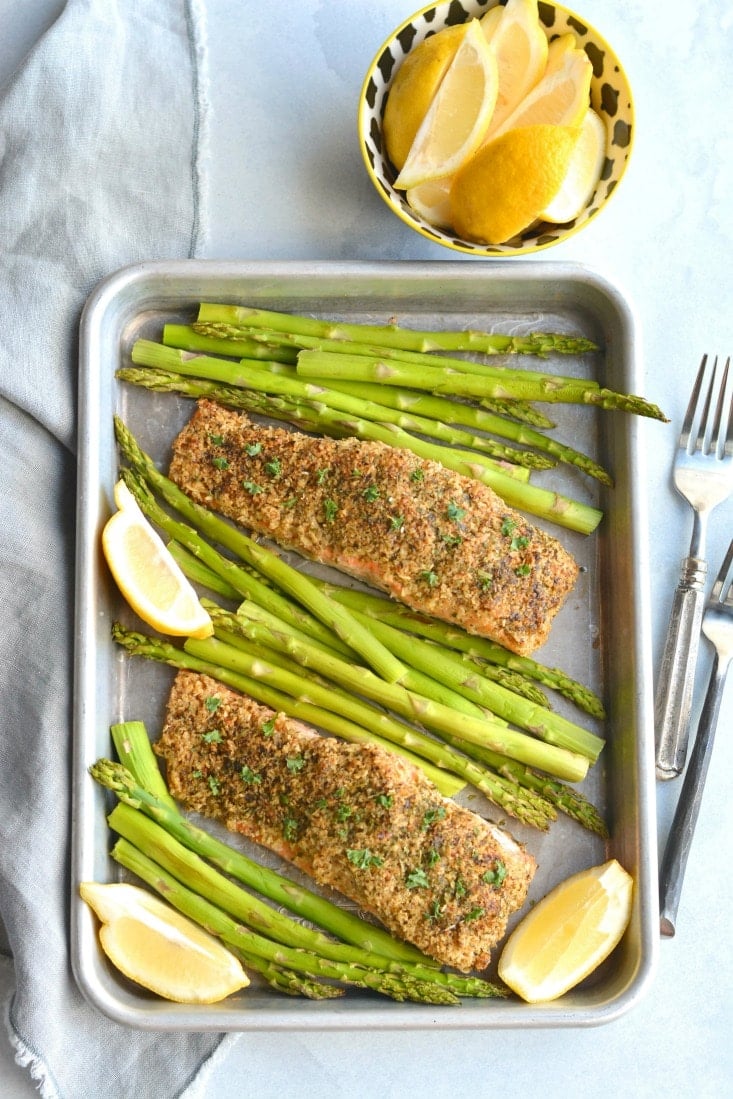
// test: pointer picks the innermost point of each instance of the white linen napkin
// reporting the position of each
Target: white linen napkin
(101, 165)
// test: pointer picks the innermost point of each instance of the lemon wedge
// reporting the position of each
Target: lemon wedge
(432, 201)
(505, 185)
(413, 88)
(584, 171)
(490, 21)
(159, 948)
(520, 45)
(568, 934)
(145, 572)
(459, 114)
(561, 97)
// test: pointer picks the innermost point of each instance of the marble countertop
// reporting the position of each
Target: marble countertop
(286, 182)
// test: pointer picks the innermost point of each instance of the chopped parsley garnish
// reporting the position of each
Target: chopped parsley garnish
(363, 858)
(252, 488)
(290, 828)
(474, 913)
(320, 803)
(253, 449)
(495, 876)
(322, 474)
(268, 727)
(431, 816)
(343, 812)
(455, 513)
(485, 581)
(385, 800)
(198, 773)
(212, 737)
(396, 522)
(220, 463)
(523, 570)
(216, 440)
(434, 912)
(508, 526)
(290, 502)
(371, 493)
(214, 785)
(212, 703)
(250, 776)
(274, 467)
(330, 508)
(430, 577)
(295, 764)
(451, 539)
(417, 475)
(417, 879)
(460, 889)
(432, 857)
(519, 541)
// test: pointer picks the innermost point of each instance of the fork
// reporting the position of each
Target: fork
(717, 625)
(703, 474)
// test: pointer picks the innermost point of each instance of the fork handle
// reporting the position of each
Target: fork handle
(673, 700)
(680, 836)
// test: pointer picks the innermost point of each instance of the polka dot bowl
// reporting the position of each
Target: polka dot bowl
(610, 96)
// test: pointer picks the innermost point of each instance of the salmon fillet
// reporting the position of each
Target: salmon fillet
(443, 544)
(355, 817)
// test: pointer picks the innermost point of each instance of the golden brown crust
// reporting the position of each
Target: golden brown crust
(444, 544)
(356, 817)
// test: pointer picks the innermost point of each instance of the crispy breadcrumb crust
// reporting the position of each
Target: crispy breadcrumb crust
(444, 544)
(356, 817)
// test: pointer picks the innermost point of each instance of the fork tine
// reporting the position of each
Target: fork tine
(703, 439)
(692, 406)
(724, 441)
(721, 584)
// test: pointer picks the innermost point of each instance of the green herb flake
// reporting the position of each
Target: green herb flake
(455, 513)
(267, 728)
(496, 875)
(253, 449)
(320, 803)
(343, 812)
(523, 570)
(417, 879)
(220, 463)
(434, 912)
(371, 493)
(212, 737)
(197, 773)
(214, 785)
(385, 800)
(485, 581)
(362, 858)
(432, 857)
(519, 541)
(290, 502)
(322, 474)
(290, 828)
(274, 467)
(252, 488)
(459, 888)
(216, 440)
(212, 703)
(451, 540)
(417, 475)
(249, 776)
(508, 526)
(396, 522)
(474, 913)
(295, 764)
(431, 816)
(330, 508)
(430, 577)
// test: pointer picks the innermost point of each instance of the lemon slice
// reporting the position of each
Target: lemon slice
(413, 88)
(160, 949)
(459, 113)
(583, 172)
(432, 201)
(520, 45)
(145, 572)
(505, 185)
(561, 97)
(490, 21)
(568, 934)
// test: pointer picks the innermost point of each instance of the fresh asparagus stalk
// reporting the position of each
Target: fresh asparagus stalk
(132, 745)
(397, 986)
(187, 338)
(333, 615)
(250, 375)
(392, 335)
(327, 366)
(197, 875)
(513, 800)
(199, 573)
(478, 648)
(295, 898)
(288, 981)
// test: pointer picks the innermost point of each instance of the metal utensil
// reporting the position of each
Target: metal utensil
(717, 625)
(703, 474)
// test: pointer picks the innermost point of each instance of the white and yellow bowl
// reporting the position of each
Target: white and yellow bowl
(610, 97)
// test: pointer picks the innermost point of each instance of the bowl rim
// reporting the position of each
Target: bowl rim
(476, 249)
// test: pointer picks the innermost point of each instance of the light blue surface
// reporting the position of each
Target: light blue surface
(286, 181)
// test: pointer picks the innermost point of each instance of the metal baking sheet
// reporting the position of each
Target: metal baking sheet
(601, 636)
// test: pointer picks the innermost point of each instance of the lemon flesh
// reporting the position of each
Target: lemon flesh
(148, 577)
(413, 89)
(502, 190)
(160, 949)
(562, 95)
(459, 113)
(520, 45)
(568, 933)
(583, 174)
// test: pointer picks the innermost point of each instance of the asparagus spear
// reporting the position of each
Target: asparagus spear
(192, 871)
(288, 981)
(187, 338)
(392, 335)
(478, 648)
(446, 380)
(200, 573)
(510, 797)
(333, 615)
(132, 745)
(397, 986)
(250, 375)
